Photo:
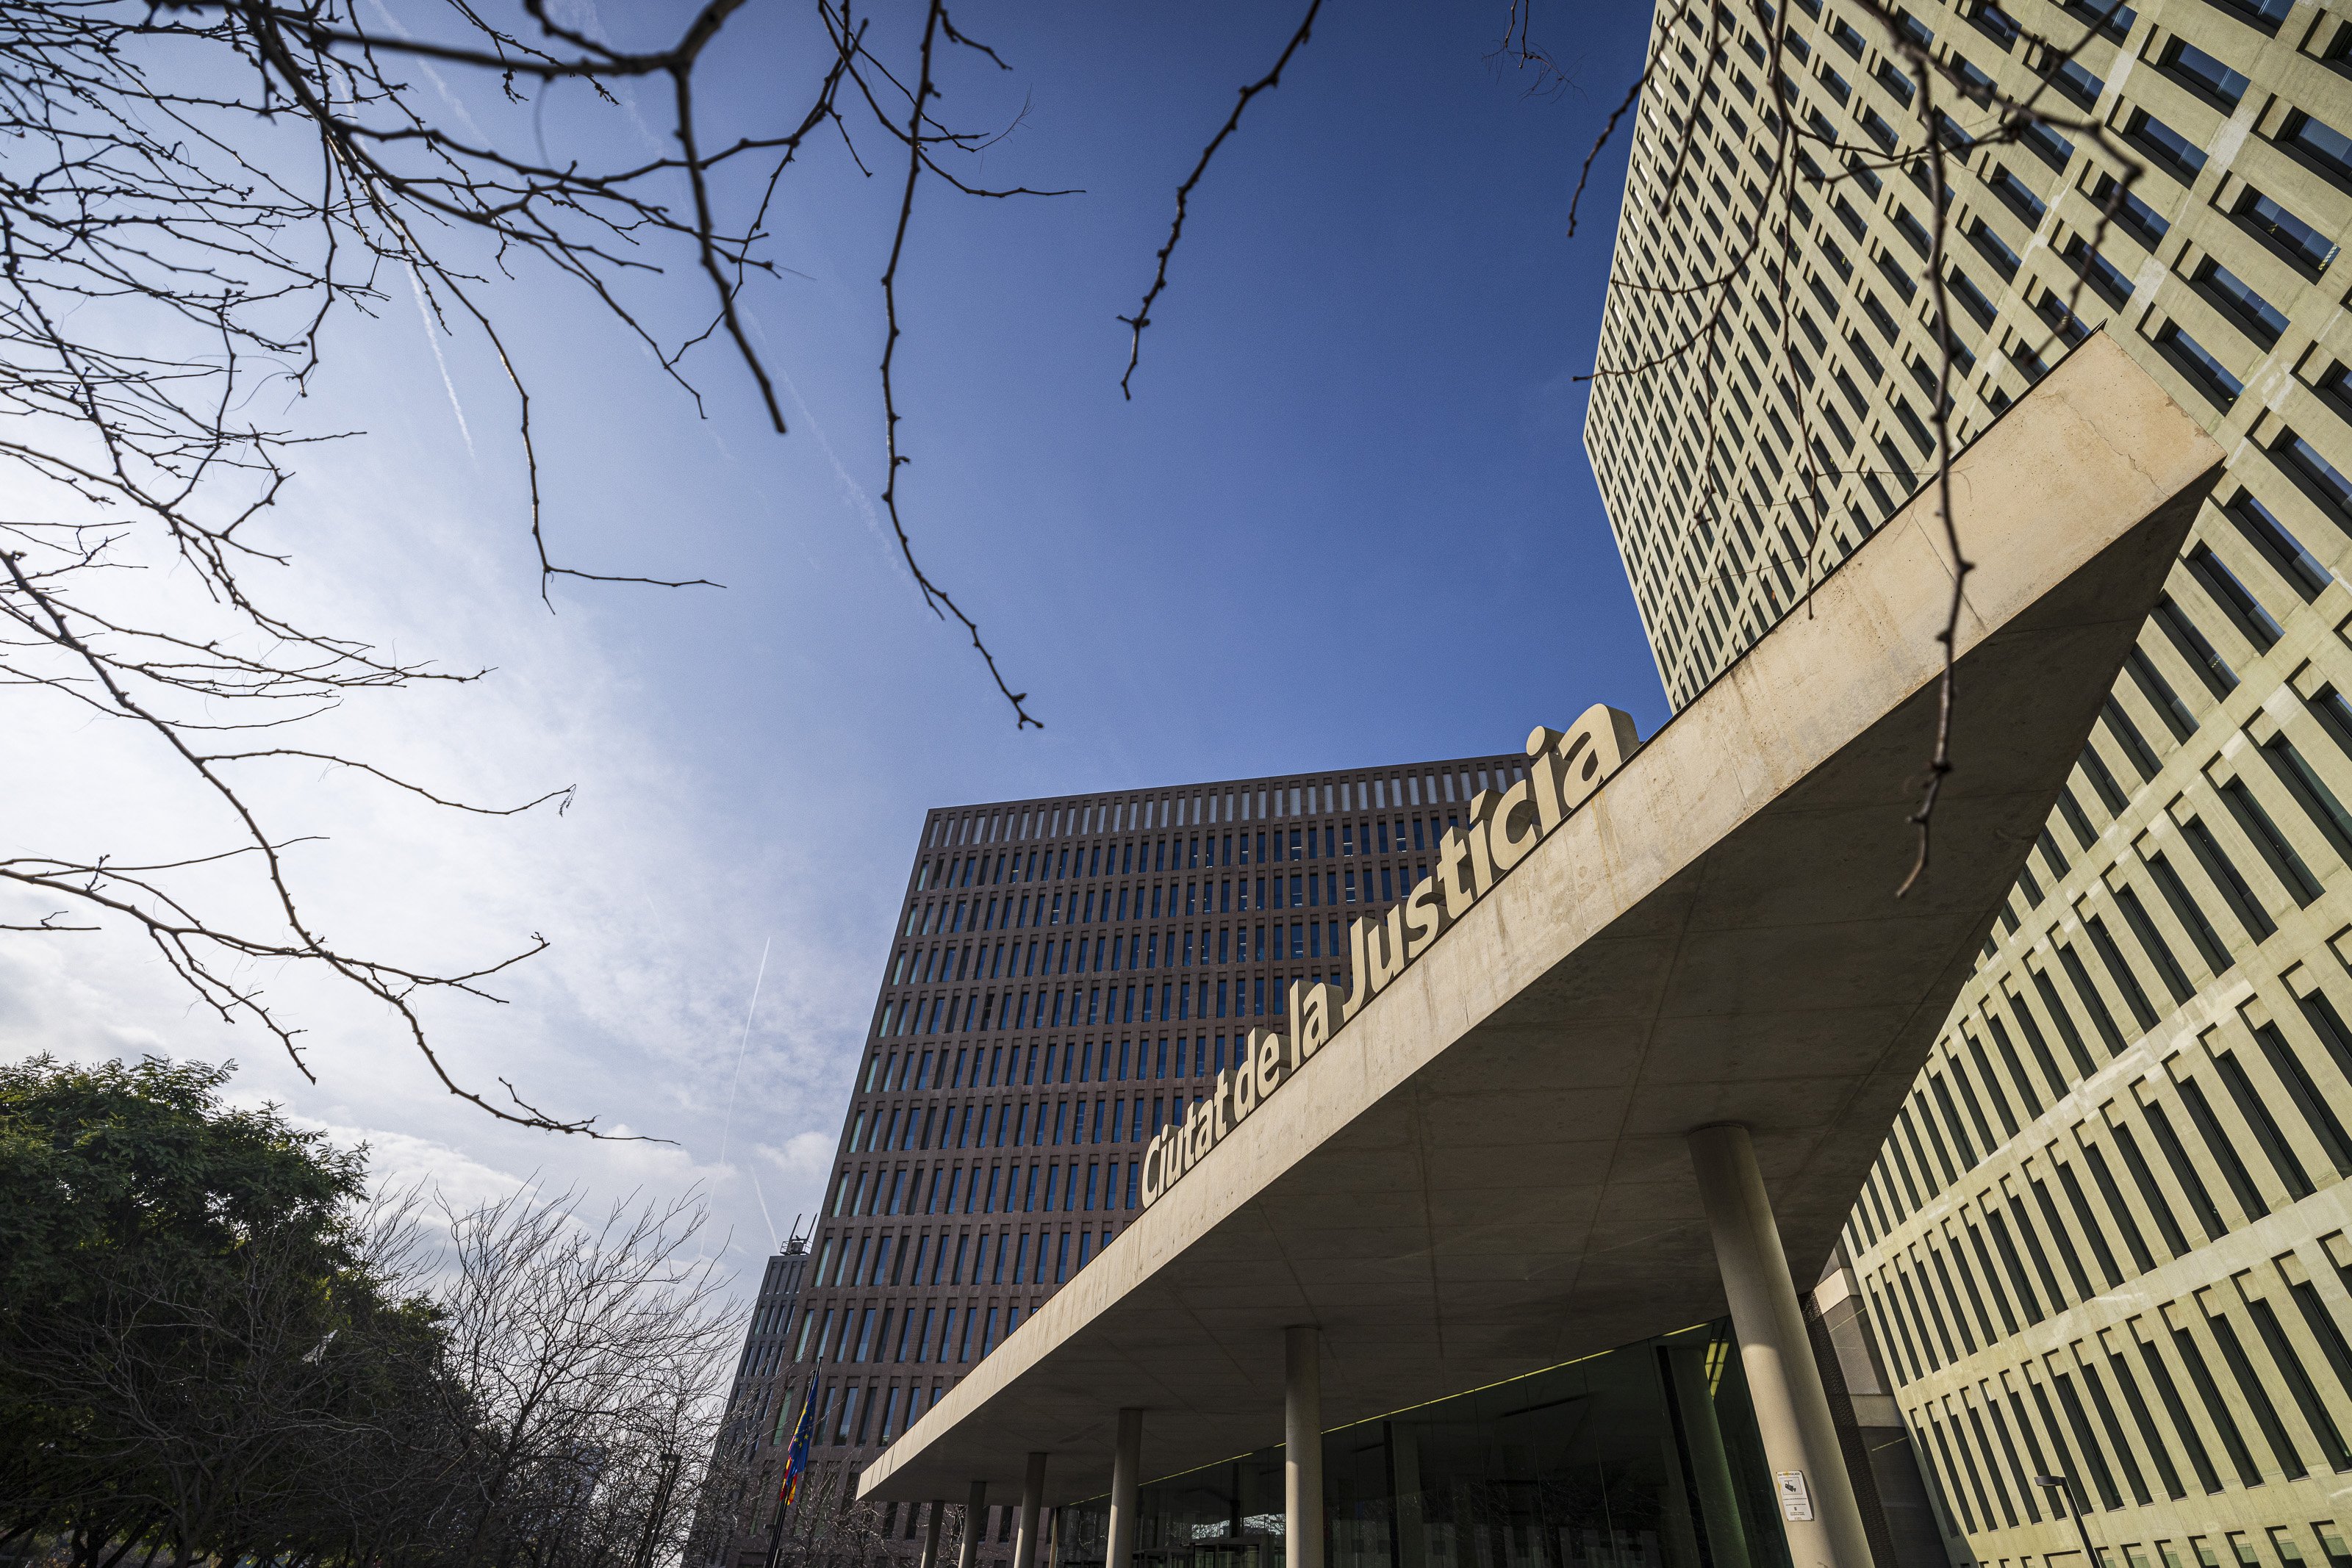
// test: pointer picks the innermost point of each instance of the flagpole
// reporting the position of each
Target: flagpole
(795, 1461)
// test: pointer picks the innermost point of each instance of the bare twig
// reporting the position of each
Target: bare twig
(1273, 79)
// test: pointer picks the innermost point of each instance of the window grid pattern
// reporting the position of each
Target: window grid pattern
(2106, 1234)
(1067, 975)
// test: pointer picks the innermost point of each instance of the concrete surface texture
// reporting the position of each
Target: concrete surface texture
(1485, 1173)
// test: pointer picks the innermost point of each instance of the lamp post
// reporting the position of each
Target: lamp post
(2063, 1487)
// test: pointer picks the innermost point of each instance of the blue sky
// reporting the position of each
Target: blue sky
(1346, 518)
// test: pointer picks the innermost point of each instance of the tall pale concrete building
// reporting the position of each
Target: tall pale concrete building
(2105, 1248)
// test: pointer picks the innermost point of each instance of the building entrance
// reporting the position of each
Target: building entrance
(1644, 1457)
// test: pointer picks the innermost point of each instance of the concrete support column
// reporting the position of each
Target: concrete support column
(1033, 1497)
(975, 1525)
(1302, 1447)
(1125, 1467)
(931, 1534)
(1818, 1511)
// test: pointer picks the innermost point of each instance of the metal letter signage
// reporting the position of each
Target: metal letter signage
(1563, 772)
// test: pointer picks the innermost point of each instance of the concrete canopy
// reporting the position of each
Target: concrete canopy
(1485, 1173)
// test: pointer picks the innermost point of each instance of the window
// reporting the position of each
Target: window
(2302, 572)
(2265, 15)
(2054, 149)
(2102, 275)
(1993, 248)
(2072, 78)
(2244, 611)
(2321, 143)
(2200, 72)
(2199, 365)
(2175, 151)
(2301, 242)
(2014, 191)
(1964, 288)
(2132, 213)
(2115, 21)
(1997, 25)
(2324, 477)
(2262, 321)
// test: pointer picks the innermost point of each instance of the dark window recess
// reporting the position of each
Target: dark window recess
(2104, 17)
(2178, 1409)
(2191, 645)
(2298, 1382)
(1878, 316)
(2070, 78)
(2243, 609)
(2198, 363)
(2101, 1476)
(2320, 144)
(1995, 24)
(2126, 1223)
(2336, 386)
(2128, 737)
(2051, 855)
(2105, 276)
(2299, 568)
(2322, 479)
(1990, 246)
(2102, 784)
(2324, 1329)
(2262, 321)
(2269, 842)
(2207, 941)
(2263, 1125)
(2223, 1150)
(2017, 193)
(2297, 240)
(1896, 275)
(2132, 215)
(2216, 1408)
(2185, 1172)
(2172, 152)
(2312, 793)
(2258, 1398)
(2335, 716)
(2199, 72)
(2055, 149)
(2119, 969)
(2307, 1096)
(2093, 1002)
(2151, 1192)
(2265, 15)
(2161, 695)
(2226, 877)
(1972, 298)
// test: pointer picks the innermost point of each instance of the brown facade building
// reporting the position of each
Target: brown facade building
(1067, 975)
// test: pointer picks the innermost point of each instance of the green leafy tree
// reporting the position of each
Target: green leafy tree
(214, 1347)
(191, 1334)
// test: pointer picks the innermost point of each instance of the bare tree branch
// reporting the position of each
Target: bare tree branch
(1273, 79)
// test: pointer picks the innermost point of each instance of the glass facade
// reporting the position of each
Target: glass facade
(1646, 1456)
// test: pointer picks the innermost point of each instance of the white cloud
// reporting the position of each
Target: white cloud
(654, 889)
